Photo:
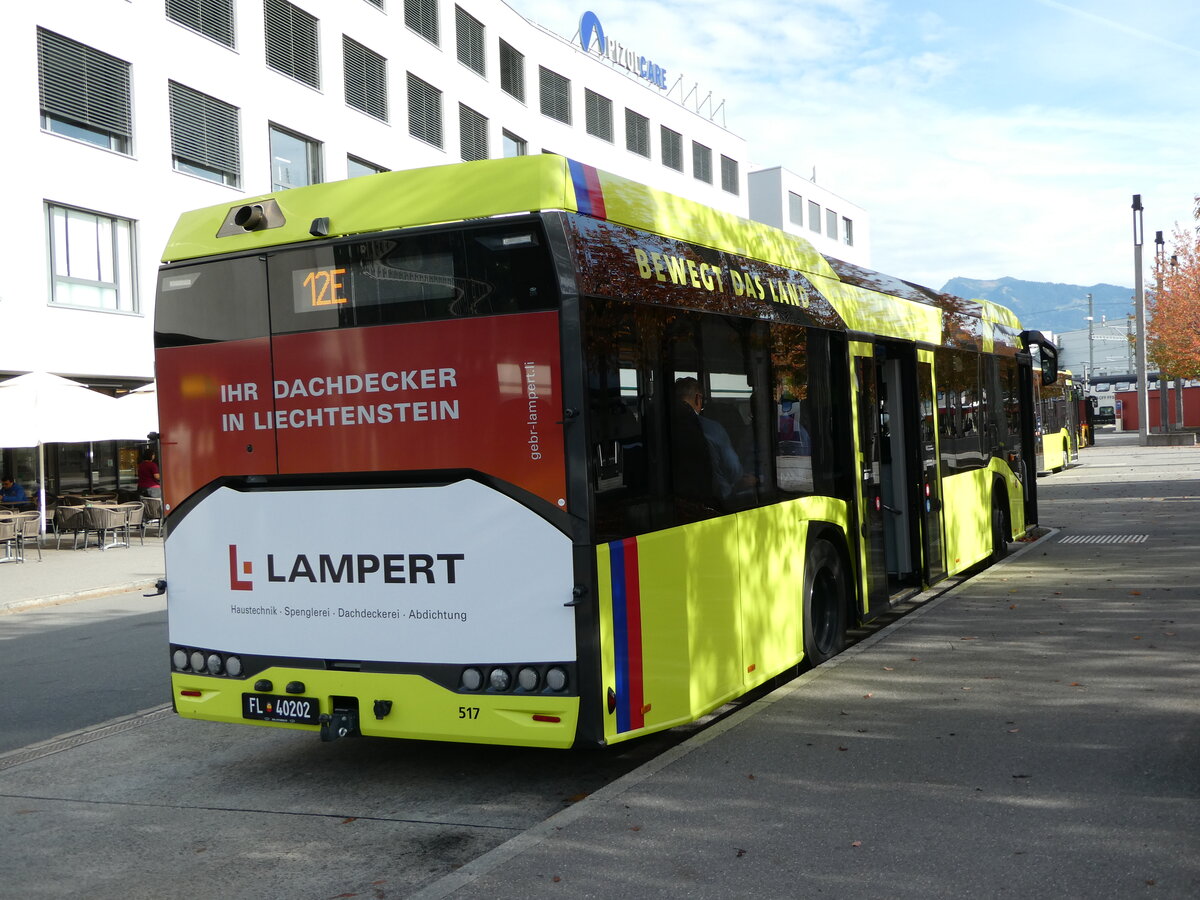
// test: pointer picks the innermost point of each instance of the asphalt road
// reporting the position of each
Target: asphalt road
(73, 665)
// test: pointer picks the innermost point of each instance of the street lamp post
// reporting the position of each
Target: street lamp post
(1140, 311)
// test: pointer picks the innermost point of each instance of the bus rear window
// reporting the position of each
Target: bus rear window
(215, 301)
(411, 278)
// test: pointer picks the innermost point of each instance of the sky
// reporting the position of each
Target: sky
(985, 138)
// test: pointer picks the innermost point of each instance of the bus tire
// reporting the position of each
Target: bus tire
(825, 603)
(1000, 531)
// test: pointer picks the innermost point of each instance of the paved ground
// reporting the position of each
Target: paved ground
(1030, 733)
(66, 574)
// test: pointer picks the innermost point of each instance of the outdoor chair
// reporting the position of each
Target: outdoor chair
(109, 522)
(30, 528)
(71, 520)
(134, 519)
(9, 538)
(152, 515)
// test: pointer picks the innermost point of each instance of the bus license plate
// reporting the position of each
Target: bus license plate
(292, 710)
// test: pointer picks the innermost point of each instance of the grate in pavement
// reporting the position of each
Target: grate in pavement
(1105, 539)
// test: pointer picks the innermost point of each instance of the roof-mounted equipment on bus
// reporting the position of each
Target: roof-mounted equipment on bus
(257, 216)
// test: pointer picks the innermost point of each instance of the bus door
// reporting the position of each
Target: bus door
(870, 483)
(900, 462)
(929, 500)
(892, 472)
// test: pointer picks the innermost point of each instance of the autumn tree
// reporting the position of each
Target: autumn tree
(1173, 332)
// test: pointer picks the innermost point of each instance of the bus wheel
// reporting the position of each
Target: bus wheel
(824, 604)
(1000, 532)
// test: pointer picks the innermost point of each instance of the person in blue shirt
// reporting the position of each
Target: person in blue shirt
(12, 492)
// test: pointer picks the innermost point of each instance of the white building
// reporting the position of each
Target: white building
(801, 207)
(123, 113)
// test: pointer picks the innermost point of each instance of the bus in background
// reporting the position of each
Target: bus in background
(521, 452)
(1059, 423)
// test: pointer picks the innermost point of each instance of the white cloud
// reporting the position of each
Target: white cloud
(984, 140)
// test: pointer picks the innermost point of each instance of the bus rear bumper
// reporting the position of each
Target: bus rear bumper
(342, 704)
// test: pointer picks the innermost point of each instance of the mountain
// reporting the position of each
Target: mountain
(1047, 306)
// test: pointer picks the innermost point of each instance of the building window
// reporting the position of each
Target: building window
(356, 167)
(512, 71)
(702, 162)
(295, 160)
(84, 93)
(848, 231)
(513, 145)
(729, 176)
(795, 209)
(366, 79)
(556, 95)
(424, 111)
(422, 17)
(470, 41)
(598, 112)
(205, 138)
(293, 46)
(91, 260)
(814, 216)
(472, 131)
(637, 133)
(211, 18)
(672, 148)
(831, 222)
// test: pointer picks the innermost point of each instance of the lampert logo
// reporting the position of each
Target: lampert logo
(593, 39)
(247, 568)
(347, 568)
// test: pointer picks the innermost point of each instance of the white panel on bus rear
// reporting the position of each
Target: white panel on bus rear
(452, 574)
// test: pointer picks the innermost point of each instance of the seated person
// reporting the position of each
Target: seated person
(11, 492)
(727, 476)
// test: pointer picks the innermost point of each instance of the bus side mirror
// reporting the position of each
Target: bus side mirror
(1048, 354)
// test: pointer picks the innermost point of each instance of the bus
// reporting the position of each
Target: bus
(520, 452)
(1060, 429)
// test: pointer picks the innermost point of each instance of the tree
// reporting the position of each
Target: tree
(1173, 332)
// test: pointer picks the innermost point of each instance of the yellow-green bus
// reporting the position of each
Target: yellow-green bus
(1059, 429)
(521, 452)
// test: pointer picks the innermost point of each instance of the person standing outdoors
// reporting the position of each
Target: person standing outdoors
(149, 479)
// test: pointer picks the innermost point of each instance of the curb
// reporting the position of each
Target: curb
(56, 599)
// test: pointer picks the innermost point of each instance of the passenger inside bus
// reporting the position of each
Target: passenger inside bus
(728, 477)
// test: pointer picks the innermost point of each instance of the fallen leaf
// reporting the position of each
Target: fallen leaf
(556, 879)
(349, 819)
(856, 843)
(1013, 730)
(1135, 593)
(741, 852)
(843, 748)
(888, 669)
(1137, 637)
(635, 827)
(868, 696)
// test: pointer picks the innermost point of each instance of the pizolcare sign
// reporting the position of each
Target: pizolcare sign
(593, 40)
